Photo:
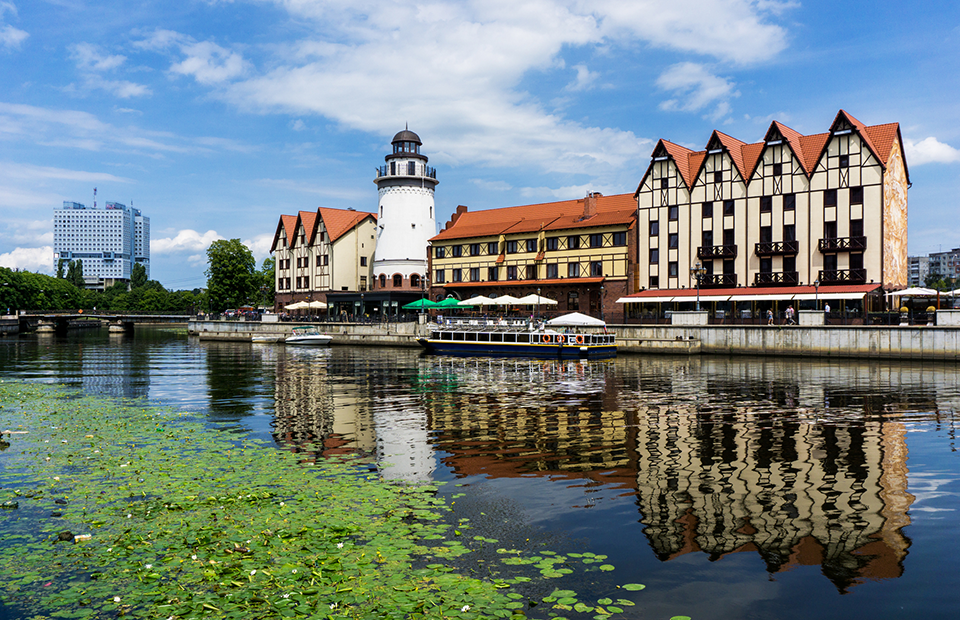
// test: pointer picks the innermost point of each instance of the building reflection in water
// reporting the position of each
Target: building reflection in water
(801, 462)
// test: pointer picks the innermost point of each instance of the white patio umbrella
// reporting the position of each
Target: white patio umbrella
(479, 300)
(507, 300)
(533, 299)
(317, 305)
(300, 305)
(914, 292)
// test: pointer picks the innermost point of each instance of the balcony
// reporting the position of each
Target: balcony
(713, 280)
(842, 276)
(777, 248)
(842, 244)
(777, 278)
(708, 252)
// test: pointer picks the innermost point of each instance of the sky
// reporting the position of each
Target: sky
(215, 117)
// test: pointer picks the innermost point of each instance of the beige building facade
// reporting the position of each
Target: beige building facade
(828, 209)
(324, 255)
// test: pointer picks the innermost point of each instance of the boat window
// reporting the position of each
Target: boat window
(496, 337)
(483, 337)
(458, 335)
(444, 335)
(472, 336)
(523, 338)
(509, 337)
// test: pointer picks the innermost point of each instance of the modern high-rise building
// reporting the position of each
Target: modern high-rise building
(108, 242)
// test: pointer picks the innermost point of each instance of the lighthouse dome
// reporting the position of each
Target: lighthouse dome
(407, 136)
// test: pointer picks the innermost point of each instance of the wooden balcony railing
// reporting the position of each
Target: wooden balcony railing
(842, 276)
(718, 280)
(707, 252)
(777, 278)
(777, 248)
(842, 244)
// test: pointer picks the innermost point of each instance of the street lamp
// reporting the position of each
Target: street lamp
(601, 301)
(697, 271)
(816, 293)
(538, 304)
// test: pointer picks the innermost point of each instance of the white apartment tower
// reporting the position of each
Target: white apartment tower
(405, 221)
(107, 241)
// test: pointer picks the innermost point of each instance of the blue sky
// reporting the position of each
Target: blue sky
(217, 116)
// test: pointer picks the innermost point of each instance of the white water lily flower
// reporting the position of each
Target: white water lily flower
(465, 608)
(253, 572)
(333, 605)
(148, 566)
(193, 557)
(116, 599)
(339, 545)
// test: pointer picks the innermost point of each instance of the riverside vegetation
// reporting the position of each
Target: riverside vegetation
(121, 509)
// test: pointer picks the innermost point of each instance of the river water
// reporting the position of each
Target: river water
(731, 487)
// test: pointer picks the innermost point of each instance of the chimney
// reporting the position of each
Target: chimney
(590, 204)
(461, 209)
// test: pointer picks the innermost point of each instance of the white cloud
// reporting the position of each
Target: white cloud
(260, 246)
(930, 150)
(89, 58)
(11, 38)
(694, 88)
(12, 171)
(184, 241)
(585, 78)
(31, 259)
(209, 63)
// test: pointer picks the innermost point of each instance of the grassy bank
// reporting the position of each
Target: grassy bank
(113, 509)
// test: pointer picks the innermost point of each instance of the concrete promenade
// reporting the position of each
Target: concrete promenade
(852, 341)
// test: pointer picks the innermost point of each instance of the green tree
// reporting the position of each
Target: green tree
(267, 282)
(232, 280)
(138, 276)
(75, 273)
(60, 264)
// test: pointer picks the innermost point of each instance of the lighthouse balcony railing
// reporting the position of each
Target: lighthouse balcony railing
(402, 171)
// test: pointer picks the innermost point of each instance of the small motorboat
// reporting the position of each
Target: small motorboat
(308, 336)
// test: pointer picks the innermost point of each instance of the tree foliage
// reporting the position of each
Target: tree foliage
(138, 276)
(75, 273)
(267, 281)
(232, 279)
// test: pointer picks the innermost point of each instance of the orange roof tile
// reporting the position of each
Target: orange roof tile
(681, 158)
(751, 157)
(565, 214)
(883, 136)
(735, 148)
(813, 147)
(289, 227)
(341, 221)
(309, 221)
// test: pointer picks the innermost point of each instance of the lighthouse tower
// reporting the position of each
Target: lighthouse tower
(405, 217)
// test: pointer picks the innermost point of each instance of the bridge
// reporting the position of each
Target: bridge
(60, 322)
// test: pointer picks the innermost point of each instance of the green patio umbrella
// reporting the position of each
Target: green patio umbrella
(450, 302)
(420, 304)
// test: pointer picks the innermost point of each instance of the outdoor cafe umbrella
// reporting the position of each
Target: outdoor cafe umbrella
(420, 304)
(449, 302)
(533, 300)
(300, 305)
(317, 305)
(914, 292)
(507, 300)
(479, 300)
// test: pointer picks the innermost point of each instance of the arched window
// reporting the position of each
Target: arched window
(397, 280)
(415, 280)
(383, 280)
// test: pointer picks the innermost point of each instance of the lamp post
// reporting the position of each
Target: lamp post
(697, 271)
(538, 304)
(816, 293)
(601, 302)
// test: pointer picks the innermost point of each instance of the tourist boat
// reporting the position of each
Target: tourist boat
(517, 339)
(308, 336)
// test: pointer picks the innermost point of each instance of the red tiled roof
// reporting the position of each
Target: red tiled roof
(735, 148)
(341, 221)
(566, 214)
(681, 158)
(883, 136)
(309, 221)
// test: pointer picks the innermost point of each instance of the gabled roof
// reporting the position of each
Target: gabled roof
(287, 227)
(341, 221)
(808, 150)
(309, 221)
(566, 214)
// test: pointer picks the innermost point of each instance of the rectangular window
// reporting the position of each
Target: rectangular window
(856, 228)
(844, 161)
(457, 275)
(439, 276)
(706, 210)
(474, 274)
(456, 250)
(766, 234)
(493, 248)
(830, 262)
(532, 271)
(512, 247)
(474, 249)
(493, 274)
(856, 195)
(789, 232)
(856, 260)
(673, 240)
(573, 270)
(363, 261)
(829, 230)
(728, 237)
(728, 266)
(766, 264)
(326, 260)
(411, 168)
(553, 243)
(363, 283)
(511, 272)
(706, 238)
(440, 251)
(673, 213)
(789, 202)
(728, 207)
(596, 268)
(789, 264)
(777, 169)
(619, 238)
(531, 245)
(319, 260)
(664, 183)
(654, 282)
(573, 242)
(673, 269)
(766, 204)
(654, 228)
(552, 271)
(718, 177)
(596, 241)
(830, 198)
